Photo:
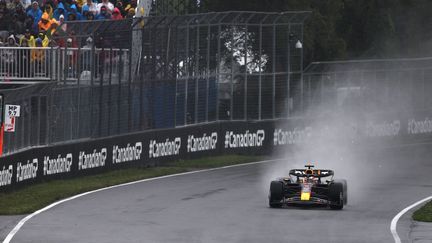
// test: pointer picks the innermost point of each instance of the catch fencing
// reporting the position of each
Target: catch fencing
(223, 66)
(196, 69)
(160, 72)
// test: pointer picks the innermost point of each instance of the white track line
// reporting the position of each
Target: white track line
(393, 224)
(22, 222)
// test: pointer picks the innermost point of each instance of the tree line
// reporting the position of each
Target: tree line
(347, 29)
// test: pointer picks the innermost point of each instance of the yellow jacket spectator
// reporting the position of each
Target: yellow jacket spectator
(44, 38)
(29, 38)
(130, 13)
(80, 3)
(38, 55)
(131, 5)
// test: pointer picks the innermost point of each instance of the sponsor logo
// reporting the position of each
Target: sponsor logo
(92, 160)
(298, 135)
(419, 127)
(243, 140)
(57, 165)
(383, 129)
(6, 175)
(128, 153)
(27, 171)
(204, 143)
(163, 149)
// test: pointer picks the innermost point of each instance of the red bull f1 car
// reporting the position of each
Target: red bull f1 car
(309, 187)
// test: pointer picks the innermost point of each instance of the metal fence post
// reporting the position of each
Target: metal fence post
(120, 74)
(197, 72)
(93, 74)
(231, 107)
(301, 73)
(187, 77)
(129, 80)
(274, 74)
(78, 111)
(101, 77)
(176, 78)
(207, 72)
(110, 90)
(260, 73)
(52, 63)
(218, 71)
(65, 64)
(288, 97)
(245, 117)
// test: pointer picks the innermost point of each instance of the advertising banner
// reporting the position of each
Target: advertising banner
(153, 148)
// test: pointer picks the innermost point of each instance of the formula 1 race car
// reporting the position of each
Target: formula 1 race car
(306, 187)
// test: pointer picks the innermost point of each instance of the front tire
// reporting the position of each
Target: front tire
(276, 194)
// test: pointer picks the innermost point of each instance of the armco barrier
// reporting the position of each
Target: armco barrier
(159, 146)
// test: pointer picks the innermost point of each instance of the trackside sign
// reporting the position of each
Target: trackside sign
(289, 137)
(92, 160)
(126, 154)
(11, 113)
(165, 148)
(6, 175)
(202, 143)
(244, 140)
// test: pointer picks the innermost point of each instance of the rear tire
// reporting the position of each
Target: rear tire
(345, 190)
(336, 195)
(276, 194)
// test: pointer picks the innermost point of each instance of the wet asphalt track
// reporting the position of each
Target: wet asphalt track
(230, 205)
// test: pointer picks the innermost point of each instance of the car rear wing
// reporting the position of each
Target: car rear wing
(310, 172)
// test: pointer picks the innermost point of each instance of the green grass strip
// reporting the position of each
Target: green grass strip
(424, 213)
(37, 196)
(218, 161)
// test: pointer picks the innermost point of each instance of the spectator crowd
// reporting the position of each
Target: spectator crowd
(37, 23)
(42, 23)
